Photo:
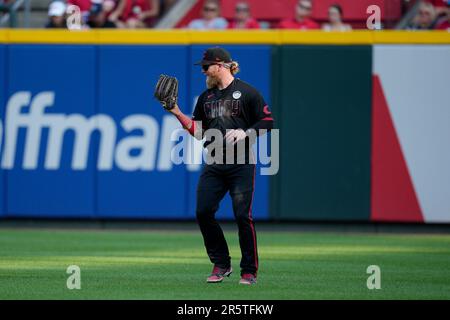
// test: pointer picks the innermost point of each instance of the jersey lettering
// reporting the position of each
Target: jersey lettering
(221, 108)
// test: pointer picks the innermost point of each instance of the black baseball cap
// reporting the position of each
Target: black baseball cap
(215, 55)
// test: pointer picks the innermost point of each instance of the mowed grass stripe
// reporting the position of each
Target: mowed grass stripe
(173, 265)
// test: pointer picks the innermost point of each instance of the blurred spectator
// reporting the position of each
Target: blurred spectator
(98, 15)
(425, 18)
(56, 15)
(335, 20)
(211, 18)
(135, 13)
(242, 18)
(109, 5)
(440, 6)
(444, 22)
(302, 19)
(84, 6)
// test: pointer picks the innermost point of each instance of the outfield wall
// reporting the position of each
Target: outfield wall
(57, 94)
(411, 133)
(324, 102)
(363, 135)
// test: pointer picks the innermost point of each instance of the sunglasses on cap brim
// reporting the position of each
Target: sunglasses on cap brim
(205, 67)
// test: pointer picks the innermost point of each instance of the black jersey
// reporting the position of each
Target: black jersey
(238, 106)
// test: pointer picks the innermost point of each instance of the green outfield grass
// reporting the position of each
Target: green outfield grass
(173, 265)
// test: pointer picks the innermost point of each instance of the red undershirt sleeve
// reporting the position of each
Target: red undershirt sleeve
(187, 123)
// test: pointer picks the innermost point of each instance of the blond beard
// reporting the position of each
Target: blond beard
(211, 82)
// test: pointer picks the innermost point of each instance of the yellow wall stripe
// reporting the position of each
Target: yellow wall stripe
(142, 37)
(412, 37)
(235, 36)
(178, 36)
(320, 37)
(50, 36)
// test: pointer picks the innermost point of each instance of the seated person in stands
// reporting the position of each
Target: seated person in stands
(84, 5)
(444, 22)
(425, 18)
(440, 6)
(335, 20)
(56, 15)
(98, 15)
(135, 13)
(302, 19)
(211, 18)
(242, 18)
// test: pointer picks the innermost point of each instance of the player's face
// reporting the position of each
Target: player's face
(210, 69)
(212, 75)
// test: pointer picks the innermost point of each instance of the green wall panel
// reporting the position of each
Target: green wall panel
(323, 109)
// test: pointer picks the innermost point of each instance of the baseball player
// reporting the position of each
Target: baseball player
(236, 109)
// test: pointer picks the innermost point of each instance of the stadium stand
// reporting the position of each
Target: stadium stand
(395, 14)
(272, 12)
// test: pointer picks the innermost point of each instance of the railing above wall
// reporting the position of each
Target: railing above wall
(11, 9)
(274, 37)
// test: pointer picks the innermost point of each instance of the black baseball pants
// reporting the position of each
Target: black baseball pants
(215, 181)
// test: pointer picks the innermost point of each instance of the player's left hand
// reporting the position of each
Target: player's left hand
(166, 91)
(233, 136)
